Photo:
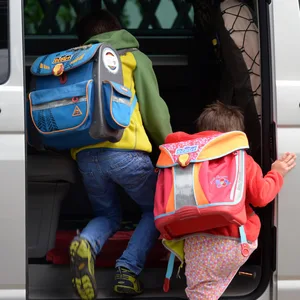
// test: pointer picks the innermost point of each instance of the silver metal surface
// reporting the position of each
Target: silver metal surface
(287, 66)
(12, 166)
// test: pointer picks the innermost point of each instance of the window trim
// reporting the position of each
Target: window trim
(96, 4)
(8, 45)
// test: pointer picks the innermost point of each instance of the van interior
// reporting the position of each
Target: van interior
(189, 79)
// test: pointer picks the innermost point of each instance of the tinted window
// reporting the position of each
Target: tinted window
(49, 17)
(4, 57)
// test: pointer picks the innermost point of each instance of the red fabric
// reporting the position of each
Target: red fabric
(260, 190)
(111, 251)
(164, 185)
(210, 170)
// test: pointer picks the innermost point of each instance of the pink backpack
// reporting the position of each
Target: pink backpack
(201, 186)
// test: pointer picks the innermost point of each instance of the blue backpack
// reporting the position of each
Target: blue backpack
(78, 98)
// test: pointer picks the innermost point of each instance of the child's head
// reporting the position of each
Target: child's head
(96, 22)
(221, 117)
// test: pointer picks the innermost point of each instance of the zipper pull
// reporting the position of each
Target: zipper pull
(179, 269)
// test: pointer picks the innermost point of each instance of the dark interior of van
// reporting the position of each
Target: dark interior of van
(189, 78)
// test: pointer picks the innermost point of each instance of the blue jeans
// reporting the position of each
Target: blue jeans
(102, 170)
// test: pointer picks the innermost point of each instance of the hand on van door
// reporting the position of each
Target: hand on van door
(285, 163)
(261, 190)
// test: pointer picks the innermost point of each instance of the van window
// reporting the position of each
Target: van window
(4, 54)
(59, 17)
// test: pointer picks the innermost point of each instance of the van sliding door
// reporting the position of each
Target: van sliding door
(12, 153)
(287, 63)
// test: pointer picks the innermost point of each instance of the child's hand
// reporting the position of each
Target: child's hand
(285, 163)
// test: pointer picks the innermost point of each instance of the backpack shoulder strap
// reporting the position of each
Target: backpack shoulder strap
(124, 51)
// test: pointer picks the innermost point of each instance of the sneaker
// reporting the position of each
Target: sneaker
(82, 269)
(126, 282)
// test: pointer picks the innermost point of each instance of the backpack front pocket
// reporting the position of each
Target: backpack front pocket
(62, 109)
(118, 104)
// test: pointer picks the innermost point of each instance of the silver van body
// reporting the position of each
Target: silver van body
(12, 165)
(285, 23)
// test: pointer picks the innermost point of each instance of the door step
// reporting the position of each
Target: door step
(53, 282)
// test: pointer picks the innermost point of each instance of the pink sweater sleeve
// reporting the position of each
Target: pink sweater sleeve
(261, 190)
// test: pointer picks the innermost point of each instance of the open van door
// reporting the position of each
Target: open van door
(57, 203)
(12, 152)
(287, 64)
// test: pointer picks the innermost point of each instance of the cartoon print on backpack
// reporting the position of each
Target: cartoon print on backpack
(221, 181)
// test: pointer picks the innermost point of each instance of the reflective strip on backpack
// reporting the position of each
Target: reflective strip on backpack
(238, 186)
(183, 186)
(58, 103)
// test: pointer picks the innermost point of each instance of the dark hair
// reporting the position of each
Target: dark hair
(96, 22)
(221, 117)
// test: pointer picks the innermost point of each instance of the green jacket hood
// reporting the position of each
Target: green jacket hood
(119, 39)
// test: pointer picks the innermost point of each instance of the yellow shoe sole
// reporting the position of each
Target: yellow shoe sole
(82, 269)
(125, 290)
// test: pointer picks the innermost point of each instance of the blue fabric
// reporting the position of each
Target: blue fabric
(58, 93)
(118, 107)
(243, 235)
(71, 59)
(74, 139)
(170, 265)
(102, 171)
(53, 112)
(82, 73)
(62, 129)
(59, 126)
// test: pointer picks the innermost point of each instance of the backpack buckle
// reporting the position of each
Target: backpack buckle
(184, 160)
(58, 69)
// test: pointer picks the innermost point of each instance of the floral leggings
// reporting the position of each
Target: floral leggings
(211, 264)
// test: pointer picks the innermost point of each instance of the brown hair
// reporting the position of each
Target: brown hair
(221, 117)
(96, 22)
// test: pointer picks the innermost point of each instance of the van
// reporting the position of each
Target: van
(43, 201)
